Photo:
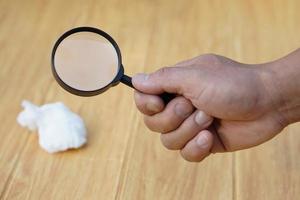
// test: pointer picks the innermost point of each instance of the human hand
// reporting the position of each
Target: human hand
(222, 105)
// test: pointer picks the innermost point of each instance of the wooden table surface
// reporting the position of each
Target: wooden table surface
(124, 160)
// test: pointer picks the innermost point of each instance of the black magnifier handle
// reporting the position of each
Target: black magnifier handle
(166, 97)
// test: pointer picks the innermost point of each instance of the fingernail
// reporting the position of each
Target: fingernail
(202, 118)
(152, 107)
(182, 110)
(140, 78)
(202, 140)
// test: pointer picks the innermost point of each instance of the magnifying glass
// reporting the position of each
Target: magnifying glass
(87, 61)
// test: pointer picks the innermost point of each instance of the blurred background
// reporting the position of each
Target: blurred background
(123, 159)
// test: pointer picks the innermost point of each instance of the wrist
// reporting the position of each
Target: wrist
(284, 86)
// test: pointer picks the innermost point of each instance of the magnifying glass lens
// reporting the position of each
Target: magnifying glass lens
(86, 61)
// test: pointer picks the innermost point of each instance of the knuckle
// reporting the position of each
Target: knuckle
(192, 156)
(138, 99)
(139, 105)
(182, 99)
(168, 143)
(149, 124)
(187, 158)
(187, 104)
(167, 125)
(183, 108)
(162, 125)
(209, 58)
(157, 125)
(165, 71)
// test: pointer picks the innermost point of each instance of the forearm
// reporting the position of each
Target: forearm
(286, 81)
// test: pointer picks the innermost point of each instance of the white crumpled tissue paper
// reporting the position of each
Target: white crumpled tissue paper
(58, 127)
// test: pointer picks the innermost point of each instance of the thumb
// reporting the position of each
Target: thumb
(168, 79)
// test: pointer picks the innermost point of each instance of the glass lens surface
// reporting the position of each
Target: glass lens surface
(86, 61)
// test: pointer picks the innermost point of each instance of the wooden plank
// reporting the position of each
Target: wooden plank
(124, 160)
(150, 171)
(270, 170)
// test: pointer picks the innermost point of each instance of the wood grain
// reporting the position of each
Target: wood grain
(124, 160)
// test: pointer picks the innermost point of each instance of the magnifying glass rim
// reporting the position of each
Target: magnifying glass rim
(75, 91)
